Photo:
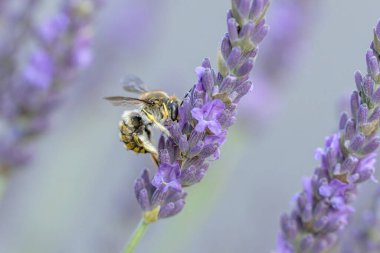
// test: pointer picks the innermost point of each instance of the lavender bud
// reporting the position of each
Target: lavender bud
(362, 175)
(245, 68)
(243, 7)
(368, 86)
(257, 8)
(195, 150)
(358, 80)
(227, 84)
(302, 200)
(247, 30)
(208, 150)
(349, 164)
(143, 199)
(208, 80)
(288, 226)
(319, 246)
(306, 214)
(306, 243)
(183, 144)
(354, 103)
(260, 34)
(166, 210)
(371, 146)
(226, 47)
(343, 120)
(164, 156)
(320, 210)
(232, 31)
(357, 142)
(374, 67)
(349, 130)
(234, 57)
(242, 90)
(362, 114)
(320, 224)
(376, 40)
(206, 63)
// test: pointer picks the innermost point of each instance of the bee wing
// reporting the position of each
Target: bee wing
(132, 83)
(126, 101)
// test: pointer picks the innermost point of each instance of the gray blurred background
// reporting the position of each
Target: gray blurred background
(77, 196)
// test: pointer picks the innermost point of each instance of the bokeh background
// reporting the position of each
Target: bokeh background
(77, 194)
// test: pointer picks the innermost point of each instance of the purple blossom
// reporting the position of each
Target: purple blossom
(167, 175)
(323, 208)
(206, 113)
(158, 201)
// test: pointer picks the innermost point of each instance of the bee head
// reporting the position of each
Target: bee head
(173, 109)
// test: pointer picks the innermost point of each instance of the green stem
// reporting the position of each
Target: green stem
(137, 235)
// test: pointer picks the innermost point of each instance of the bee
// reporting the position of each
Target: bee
(157, 106)
(154, 108)
(136, 134)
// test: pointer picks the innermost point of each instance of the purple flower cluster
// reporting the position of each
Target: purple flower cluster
(205, 114)
(28, 95)
(324, 206)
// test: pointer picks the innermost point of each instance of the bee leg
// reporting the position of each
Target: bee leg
(166, 112)
(155, 159)
(158, 124)
(145, 143)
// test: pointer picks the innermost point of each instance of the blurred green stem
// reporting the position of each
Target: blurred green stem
(3, 183)
(137, 235)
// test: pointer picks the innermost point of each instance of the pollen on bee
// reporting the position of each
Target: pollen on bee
(121, 123)
(129, 146)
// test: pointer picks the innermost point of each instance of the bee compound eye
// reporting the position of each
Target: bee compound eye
(173, 107)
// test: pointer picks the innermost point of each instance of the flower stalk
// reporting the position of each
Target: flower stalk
(136, 236)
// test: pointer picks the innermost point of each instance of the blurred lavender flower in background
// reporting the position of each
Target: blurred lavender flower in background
(61, 47)
(290, 20)
(365, 236)
(323, 207)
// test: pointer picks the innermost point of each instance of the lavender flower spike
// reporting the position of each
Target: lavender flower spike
(323, 207)
(205, 114)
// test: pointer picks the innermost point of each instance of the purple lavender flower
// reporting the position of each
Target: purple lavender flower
(208, 116)
(158, 200)
(324, 206)
(205, 114)
(167, 176)
(28, 95)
